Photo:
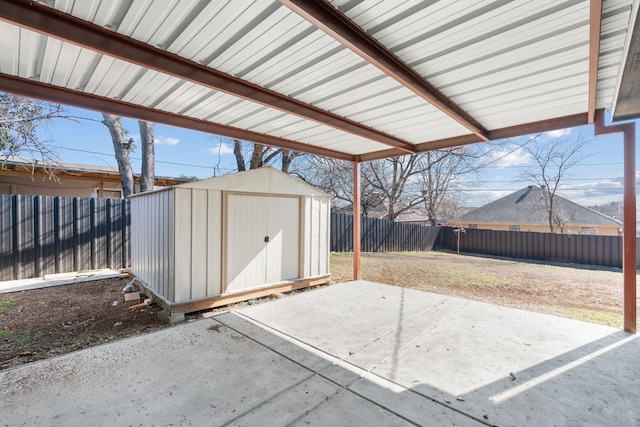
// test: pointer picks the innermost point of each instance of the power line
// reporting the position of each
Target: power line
(138, 158)
(564, 179)
(619, 189)
(577, 165)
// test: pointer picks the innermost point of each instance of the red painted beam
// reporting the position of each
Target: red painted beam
(333, 22)
(356, 219)
(53, 23)
(629, 250)
(508, 132)
(33, 89)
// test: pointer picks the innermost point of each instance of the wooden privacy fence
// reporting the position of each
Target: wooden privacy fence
(388, 236)
(43, 235)
(567, 248)
(381, 235)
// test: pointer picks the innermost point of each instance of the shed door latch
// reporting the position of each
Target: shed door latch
(266, 239)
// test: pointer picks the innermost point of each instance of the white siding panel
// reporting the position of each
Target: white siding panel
(315, 239)
(283, 219)
(306, 235)
(324, 235)
(199, 252)
(246, 248)
(214, 243)
(170, 204)
(313, 243)
(152, 242)
(182, 209)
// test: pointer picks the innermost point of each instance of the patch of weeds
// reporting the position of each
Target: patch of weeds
(20, 339)
(6, 306)
(593, 316)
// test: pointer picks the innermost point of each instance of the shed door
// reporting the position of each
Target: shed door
(262, 240)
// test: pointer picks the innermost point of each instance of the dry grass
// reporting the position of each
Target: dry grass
(593, 295)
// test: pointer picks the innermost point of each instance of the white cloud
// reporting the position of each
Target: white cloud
(482, 197)
(505, 157)
(166, 141)
(220, 149)
(557, 133)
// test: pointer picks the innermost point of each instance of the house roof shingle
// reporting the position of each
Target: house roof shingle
(526, 206)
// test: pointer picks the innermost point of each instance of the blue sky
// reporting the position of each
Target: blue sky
(598, 179)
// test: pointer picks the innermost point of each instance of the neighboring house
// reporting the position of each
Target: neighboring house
(29, 177)
(525, 210)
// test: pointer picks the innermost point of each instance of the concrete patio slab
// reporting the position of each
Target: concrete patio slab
(499, 365)
(59, 279)
(357, 353)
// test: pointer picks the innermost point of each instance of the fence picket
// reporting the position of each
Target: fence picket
(43, 235)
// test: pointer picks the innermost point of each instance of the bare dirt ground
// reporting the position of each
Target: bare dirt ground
(42, 323)
(579, 292)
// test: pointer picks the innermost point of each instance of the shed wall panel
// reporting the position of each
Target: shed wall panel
(246, 248)
(324, 235)
(199, 252)
(214, 243)
(315, 229)
(283, 219)
(151, 241)
(170, 243)
(182, 224)
(315, 236)
(306, 235)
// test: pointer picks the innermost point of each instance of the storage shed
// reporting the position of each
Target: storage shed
(217, 241)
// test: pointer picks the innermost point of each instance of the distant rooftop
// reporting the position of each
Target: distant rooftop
(527, 206)
(74, 169)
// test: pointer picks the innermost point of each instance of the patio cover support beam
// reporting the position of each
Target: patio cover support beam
(62, 26)
(595, 20)
(508, 132)
(629, 263)
(356, 219)
(33, 89)
(327, 18)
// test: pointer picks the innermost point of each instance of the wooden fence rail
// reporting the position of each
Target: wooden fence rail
(43, 235)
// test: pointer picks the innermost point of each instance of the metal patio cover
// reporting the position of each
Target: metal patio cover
(353, 80)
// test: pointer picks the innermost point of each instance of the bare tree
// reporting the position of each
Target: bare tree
(399, 184)
(336, 178)
(239, 155)
(262, 155)
(451, 207)
(440, 172)
(20, 120)
(394, 179)
(552, 162)
(147, 173)
(122, 149)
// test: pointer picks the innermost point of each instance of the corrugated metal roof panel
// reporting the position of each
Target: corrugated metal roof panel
(504, 62)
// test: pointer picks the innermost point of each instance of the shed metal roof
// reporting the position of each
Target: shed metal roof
(346, 79)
